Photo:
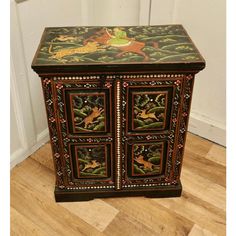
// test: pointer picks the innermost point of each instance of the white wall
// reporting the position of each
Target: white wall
(28, 19)
(205, 22)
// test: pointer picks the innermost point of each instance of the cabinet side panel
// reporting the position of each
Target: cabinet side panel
(53, 131)
(183, 124)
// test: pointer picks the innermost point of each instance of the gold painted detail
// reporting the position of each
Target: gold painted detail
(88, 48)
(91, 165)
(146, 164)
(145, 115)
(96, 112)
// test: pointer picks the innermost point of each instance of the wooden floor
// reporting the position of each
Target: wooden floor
(200, 210)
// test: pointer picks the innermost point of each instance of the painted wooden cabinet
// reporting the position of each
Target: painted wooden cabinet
(118, 102)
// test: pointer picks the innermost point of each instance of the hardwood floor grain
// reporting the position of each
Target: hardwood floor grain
(200, 211)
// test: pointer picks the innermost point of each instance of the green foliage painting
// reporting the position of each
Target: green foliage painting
(147, 159)
(102, 45)
(92, 161)
(88, 112)
(149, 111)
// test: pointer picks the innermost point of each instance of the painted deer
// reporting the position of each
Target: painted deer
(147, 164)
(96, 112)
(92, 165)
(145, 115)
(103, 36)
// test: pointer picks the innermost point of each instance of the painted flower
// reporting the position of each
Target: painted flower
(184, 114)
(180, 146)
(178, 82)
(125, 84)
(47, 81)
(89, 140)
(189, 77)
(174, 120)
(57, 155)
(66, 155)
(63, 120)
(51, 119)
(54, 139)
(108, 84)
(59, 86)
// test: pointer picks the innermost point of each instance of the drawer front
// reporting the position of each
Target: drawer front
(151, 113)
(85, 116)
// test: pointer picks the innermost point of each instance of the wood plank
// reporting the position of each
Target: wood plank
(204, 189)
(55, 219)
(160, 219)
(24, 226)
(198, 231)
(205, 168)
(44, 156)
(127, 225)
(198, 211)
(217, 154)
(199, 145)
(97, 213)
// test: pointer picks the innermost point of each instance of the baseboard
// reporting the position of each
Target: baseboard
(22, 153)
(207, 128)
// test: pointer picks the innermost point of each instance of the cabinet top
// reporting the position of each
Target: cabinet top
(129, 48)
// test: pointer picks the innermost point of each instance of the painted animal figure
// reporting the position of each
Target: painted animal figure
(147, 164)
(103, 37)
(145, 115)
(92, 165)
(96, 112)
(88, 48)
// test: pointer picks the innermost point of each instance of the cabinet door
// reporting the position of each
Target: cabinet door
(85, 116)
(151, 110)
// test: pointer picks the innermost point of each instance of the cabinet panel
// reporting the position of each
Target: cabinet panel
(85, 114)
(88, 110)
(150, 106)
(92, 161)
(145, 159)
